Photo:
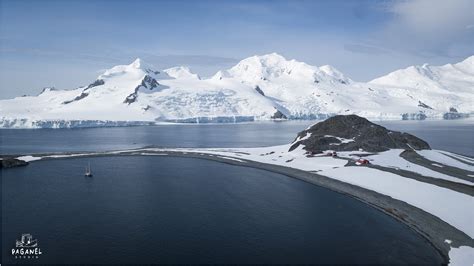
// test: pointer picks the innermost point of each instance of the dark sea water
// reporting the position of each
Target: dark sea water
(180, 210)
(451, 135)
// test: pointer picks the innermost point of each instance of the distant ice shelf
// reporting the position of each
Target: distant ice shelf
(26, 123)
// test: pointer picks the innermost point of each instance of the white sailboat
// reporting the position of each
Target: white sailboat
(88, 172)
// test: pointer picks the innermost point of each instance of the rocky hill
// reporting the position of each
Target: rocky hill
(352, 132)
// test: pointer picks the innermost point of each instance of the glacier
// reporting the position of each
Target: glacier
(257, 88)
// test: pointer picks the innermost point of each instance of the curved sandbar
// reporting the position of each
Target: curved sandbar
(435, 230)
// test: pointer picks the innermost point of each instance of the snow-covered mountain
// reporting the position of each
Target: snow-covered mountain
(257, 88)
(437, 87)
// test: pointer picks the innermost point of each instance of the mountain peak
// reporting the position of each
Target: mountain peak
(263, 67)
(270, 66)
(264, 60)
(470, 59)
(141, 64)
(181, 72)
(425, 75)
(335, 73)
(137, 67)
(275, 57)
(137, 63)
(467, 64)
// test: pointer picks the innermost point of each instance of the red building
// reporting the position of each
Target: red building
(362, 161)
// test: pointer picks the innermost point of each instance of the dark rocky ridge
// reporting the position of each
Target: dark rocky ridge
(11, 162)
(257, 88)
(148, 83)
(424, 105)
(77, 98)
(84, 94)
(132, 97)
(365, 135)
(278, 115)
(96, 83)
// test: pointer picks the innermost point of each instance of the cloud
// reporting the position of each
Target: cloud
(365, 49)
(432, 17)
(432, 27)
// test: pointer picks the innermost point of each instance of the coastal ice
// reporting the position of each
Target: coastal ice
(29, 158)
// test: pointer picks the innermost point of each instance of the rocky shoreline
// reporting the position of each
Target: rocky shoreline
(10, 162)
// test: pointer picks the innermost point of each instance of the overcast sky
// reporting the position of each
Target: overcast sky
(67, 44)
